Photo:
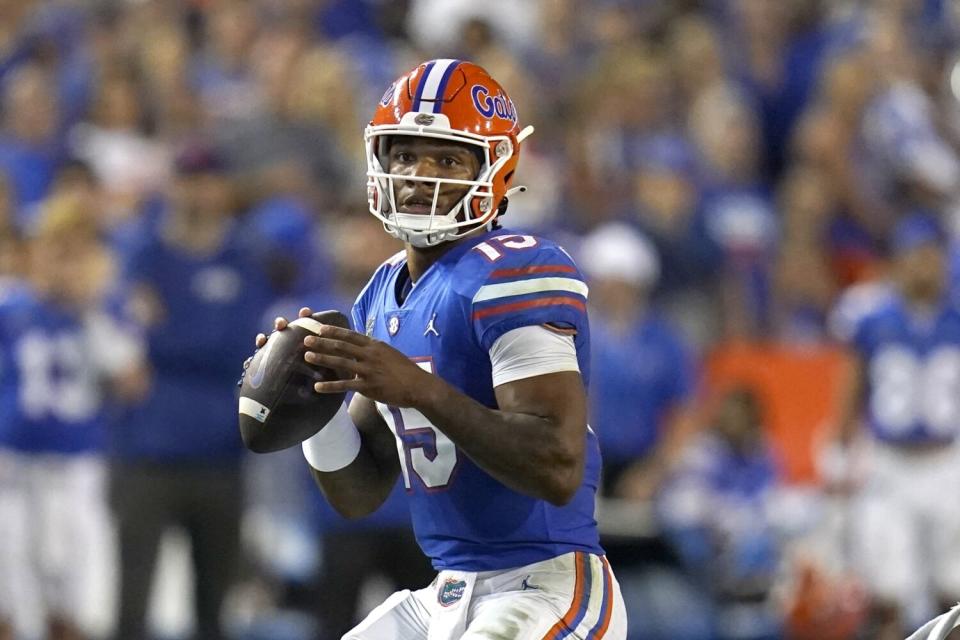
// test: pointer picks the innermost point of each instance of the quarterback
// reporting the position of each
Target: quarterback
(468, 365)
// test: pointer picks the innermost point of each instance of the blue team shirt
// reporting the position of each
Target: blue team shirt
(639, 375)
(213, 305)
(912, 371)
(50, 395)
(480, 289)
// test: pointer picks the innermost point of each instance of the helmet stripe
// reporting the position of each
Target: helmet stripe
(433, 76)
(443, 85)
(423, 82)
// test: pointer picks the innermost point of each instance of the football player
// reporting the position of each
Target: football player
(469, 363)
(906, 389)
(57, 351)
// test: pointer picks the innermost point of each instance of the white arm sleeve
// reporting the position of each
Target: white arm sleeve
(531, 351)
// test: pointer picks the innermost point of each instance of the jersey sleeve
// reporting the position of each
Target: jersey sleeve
(528, 285)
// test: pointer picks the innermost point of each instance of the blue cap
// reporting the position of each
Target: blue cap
(915, 230)
(283, 223)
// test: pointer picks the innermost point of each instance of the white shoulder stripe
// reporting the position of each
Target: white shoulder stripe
(522, 287)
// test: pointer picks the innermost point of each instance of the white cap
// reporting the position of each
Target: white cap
(617, 251)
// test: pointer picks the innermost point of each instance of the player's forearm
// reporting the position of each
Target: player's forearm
(525, 452)
(354, 460)
(358, 489)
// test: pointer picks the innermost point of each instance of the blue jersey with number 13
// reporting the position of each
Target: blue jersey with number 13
(480, 289)
(50, 395)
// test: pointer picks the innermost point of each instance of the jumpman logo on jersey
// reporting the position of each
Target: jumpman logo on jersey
(431, 327)
(526, 585)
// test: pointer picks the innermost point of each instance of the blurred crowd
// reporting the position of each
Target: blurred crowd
(173, 175)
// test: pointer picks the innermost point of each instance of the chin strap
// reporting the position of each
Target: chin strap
(518, 189)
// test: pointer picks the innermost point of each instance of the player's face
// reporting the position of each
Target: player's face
(922, 271)
(74, 270)
(429, 158)
(737, 422)
(204, 194)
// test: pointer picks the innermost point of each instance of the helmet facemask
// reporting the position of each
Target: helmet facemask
(476, 209)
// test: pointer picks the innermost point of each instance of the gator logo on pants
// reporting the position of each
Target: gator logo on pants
(451, 591)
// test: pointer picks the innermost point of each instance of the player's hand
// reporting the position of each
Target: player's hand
(279, 324)
(377, 370)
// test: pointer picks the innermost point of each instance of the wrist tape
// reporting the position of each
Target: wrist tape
(335, 446)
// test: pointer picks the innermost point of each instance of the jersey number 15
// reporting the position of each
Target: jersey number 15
(424, 450)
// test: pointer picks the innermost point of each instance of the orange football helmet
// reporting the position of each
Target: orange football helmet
(448, 100)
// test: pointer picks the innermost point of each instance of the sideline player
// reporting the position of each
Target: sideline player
(60, 353)
(469, 367)
(907, 391)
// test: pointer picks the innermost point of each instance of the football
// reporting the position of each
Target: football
(278, 406)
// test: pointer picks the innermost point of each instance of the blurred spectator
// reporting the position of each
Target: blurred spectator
(696, 55)
(913, 164)
(644, 375)
(737, 206)
(667, 205)
(716, 511)
(29, 148)
(781, 51)
(65, 354)
(902, 386)
(127, 162)
(435, 25)
(291, 248)
(177, 455)
(309, 136)
(831, 137)
(222, 75)
(804, 285)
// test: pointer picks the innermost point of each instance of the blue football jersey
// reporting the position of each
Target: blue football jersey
(480, 289)
(912, 371)
(50, 393)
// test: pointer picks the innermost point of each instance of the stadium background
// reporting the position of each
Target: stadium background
(732, 166)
